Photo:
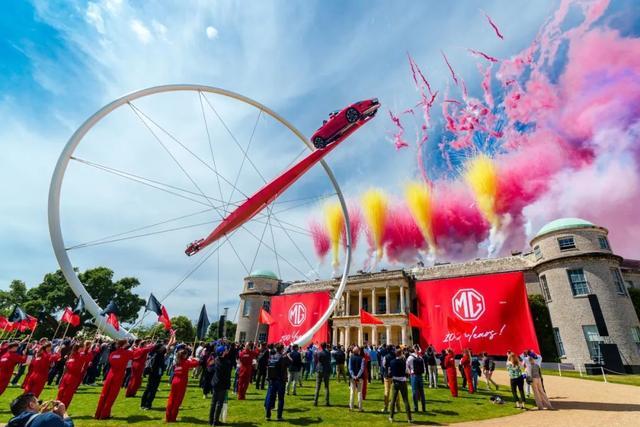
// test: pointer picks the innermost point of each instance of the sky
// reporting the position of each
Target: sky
(61, 61)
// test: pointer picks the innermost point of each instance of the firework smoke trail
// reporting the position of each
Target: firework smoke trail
(418, 197)
(334, 220)
(374, 206)
(403, 239)
(320, 238)
(398, 140)
(493, 25)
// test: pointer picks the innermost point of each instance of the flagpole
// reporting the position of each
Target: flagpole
(32, 331)
(56, 332)
(65, 331)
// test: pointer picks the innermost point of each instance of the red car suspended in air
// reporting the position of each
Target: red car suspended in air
(333, 131)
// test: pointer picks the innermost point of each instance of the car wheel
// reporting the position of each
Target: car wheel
(352, 115)
(319, 142)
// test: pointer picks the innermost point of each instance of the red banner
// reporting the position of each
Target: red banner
(484, 313)
(295, 314)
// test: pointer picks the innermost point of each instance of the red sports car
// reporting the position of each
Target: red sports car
(342, 123)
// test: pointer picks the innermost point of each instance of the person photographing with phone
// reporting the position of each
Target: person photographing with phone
(28, 411)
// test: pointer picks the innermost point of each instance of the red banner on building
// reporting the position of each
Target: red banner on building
(484, 313)
(295, 314)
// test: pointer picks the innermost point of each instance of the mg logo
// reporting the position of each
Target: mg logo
(468, 304)
(297, 314)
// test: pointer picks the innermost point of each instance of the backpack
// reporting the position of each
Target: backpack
(418, 366)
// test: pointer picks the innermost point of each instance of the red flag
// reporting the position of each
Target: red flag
(416, 322)
(367, 318)
(265, 317)
(32, 322)
(4, 323)
(69, 317)
(164, 318)
(112, 319)
(457, 325)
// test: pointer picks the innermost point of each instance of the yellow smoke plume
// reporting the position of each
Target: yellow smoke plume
(334, 220)
(482, 176)
(374, 206)
(418, 196)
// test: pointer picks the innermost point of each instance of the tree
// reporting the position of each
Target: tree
(544, 329)
(185, 331)
(17, 294)
(212, 333)
(99, 283)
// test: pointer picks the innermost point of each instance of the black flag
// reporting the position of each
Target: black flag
(203, 324)
(154, 305)
(112, 307)
(17, 315)
(42, 316)
(79, 306)
(221, 326)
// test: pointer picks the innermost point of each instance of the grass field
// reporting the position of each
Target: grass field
(617, 379)
(299, 410)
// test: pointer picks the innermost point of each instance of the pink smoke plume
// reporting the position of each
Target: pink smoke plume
(355, 226)
(320, 237)
(402, 236)
(493, 25)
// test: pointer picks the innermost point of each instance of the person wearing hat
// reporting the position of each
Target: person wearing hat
(28, 411)
(220, 382)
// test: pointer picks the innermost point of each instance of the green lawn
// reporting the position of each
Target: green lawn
(618, 379)
(441, 407)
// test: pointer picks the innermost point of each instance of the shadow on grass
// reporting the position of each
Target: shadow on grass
(304, 421)
(597, 406)
(131, 419)
(441, 412)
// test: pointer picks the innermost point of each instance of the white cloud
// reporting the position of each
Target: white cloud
(94, 17)
(212, 33)
(159, 29)
(141, 31)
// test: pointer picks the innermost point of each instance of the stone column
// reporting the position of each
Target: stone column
(388, 334)
(360, 335)
(374, 335)
(373, 300)
(388, 298)
(404, 334)
(347, 337)
(334, 340)
(348, 305)
(401, 300)
(359, 301)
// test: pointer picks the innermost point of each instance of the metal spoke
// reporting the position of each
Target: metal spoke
(139, 114)
(111, 236)
(296, 245)
(213, 158)
(264, 229)
(273, 241)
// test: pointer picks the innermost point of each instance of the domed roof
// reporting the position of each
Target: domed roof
(267, 274)
(564, 224)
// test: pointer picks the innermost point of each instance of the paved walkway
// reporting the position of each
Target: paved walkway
(578, 403)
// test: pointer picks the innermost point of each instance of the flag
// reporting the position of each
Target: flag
(70, 317)
(367, 318)
(42, 316)
(153, 305)
(265, 317)
(457, 325)
(112, 307)
(416, 322)
(203, 323)
(164, 318)
(17, 315)
(221, 321)
(112, 319)
(30, 323)
(4, 323)
(79, 309)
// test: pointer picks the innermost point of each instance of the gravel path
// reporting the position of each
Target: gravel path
(578, 403)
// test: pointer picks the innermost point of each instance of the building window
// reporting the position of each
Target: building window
(635, 335)
(593, 342)
(578, 282)
(266, 305)
(382, 304)
(537, 252)
(243, 336)
(545, 288)
(629, 284)
(262, 337)
(246, 308)
(250, 285)
(365, 303)
(566, 243)
(559, 345)
(618, 282)
(604, 243)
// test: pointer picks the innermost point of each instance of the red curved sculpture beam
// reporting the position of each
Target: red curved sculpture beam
(254, 204)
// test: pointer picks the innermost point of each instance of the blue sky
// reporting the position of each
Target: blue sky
(63, 60)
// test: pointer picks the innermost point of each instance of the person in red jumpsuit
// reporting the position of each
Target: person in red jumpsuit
(365, 374)
(452, 376)
(39, 369)
(246, 359)
(77, 362)
(140, 354)
(466, 366)
(179, 383)
(8, 362)
(118, 360)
